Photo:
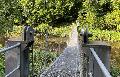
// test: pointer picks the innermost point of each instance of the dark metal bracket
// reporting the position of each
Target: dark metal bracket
(85, 35)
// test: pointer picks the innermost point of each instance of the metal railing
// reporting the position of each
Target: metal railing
(13, 71)
(3, 50)
(9, 48)
(95, 60)
(18, 54)
(101, 65)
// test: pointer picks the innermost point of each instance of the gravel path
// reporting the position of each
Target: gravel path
(67, 65)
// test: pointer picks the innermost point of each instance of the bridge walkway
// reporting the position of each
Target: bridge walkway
(68, 63)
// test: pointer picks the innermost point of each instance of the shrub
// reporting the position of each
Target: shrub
(42, 59)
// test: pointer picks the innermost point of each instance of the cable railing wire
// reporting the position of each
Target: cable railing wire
(102, 67)
(9, 48)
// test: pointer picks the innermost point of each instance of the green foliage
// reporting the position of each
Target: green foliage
(61, 31)
(2, 64)
(16, 32)
(36, 12)
(48, 11)
(101, 16)
(42, 59)
(42, 27)
(105, 35)
(115, 4)
(8, 11)
(86, 18)
(1, 46)
(113, 20)
(115, 72)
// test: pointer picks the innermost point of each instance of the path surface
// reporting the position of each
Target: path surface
(67, 65)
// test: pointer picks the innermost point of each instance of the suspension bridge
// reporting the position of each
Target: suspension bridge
(79, 58)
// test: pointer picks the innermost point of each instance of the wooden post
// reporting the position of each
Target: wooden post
(103, 51)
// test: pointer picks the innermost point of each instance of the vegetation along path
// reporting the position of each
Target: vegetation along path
(67, 65)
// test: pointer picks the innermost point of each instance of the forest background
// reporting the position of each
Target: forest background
(56, 16)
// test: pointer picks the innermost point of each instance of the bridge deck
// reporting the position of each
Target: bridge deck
(67, 65)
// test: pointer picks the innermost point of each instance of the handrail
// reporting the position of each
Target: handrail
(102, 66)
(9, 48)
(13, 71)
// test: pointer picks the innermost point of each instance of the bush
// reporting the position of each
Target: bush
(42, 59)
(113, 20)
(61, 31)
(50, 11)
(8, 11)
(115, 72)
(16, 32)
(2, 65)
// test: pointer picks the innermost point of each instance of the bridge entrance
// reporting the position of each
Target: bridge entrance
(79, 59)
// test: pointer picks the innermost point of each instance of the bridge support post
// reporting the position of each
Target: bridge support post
(26, 49)
(17, 57)
(20, 55)
(103, 51)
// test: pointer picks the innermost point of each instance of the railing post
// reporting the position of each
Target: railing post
(87, 61)
(91, 67)
(19, 56)
(103, 51)
(85, 35)
(28, 38)
(23, 61)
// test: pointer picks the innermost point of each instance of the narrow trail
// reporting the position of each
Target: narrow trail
(67, 64)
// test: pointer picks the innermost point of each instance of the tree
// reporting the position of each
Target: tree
(9, 10)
